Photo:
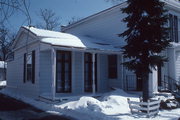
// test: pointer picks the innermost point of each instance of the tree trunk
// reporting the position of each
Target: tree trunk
(145, 78)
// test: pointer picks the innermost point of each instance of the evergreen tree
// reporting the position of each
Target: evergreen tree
(147, 35)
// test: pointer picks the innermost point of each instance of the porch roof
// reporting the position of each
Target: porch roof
(69, 40)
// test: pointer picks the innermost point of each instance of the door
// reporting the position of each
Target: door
(88, 75)
(63, 72)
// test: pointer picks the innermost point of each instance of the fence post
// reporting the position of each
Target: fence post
(148, 101)
(158, 105)
(129, 104)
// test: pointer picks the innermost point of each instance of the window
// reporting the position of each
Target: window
(29, 67)
(88, 73)
(63, 72)
(173, 24)
(176, 29)
(171, 27)
(112, 66)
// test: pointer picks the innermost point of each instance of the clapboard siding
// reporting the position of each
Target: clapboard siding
(178, 65)
(45, 72)
(103, 78)
(15, 73)
(77, 72)
(24, 40)
(105, 27)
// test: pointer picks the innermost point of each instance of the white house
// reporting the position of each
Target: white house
(85, 59)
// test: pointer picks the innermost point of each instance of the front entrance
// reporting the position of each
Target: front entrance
(88, 75)
(63, 72)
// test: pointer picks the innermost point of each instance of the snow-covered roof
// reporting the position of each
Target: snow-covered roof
(69, 40)
(3, 64)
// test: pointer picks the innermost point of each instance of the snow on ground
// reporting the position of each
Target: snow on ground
(110, 106)
(2, 83)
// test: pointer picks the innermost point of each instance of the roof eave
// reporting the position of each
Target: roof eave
(74, 48)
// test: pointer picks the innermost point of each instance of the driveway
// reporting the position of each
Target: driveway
(12, 109)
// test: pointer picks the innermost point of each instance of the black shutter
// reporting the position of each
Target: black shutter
(24, 76)
(176, 28)
(33, 67)
(171, 27)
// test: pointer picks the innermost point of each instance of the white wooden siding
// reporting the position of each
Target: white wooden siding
(24, 39)
(45, 82)
(105, 27)
(171, 63)
(103, 81)
(15, 73)
(77, 72)
(178, 65)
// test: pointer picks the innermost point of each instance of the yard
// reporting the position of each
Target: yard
(108, 106)
(12, 109)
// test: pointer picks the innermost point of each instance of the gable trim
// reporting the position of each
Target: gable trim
(21, 31)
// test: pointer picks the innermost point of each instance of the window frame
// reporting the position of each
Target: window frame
(32, 68)
(29, 75)
(173, 25)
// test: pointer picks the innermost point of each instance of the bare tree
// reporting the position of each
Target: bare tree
(9, 7)
(49, 20)
(6, 41)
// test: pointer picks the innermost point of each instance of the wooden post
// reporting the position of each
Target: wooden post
(158, 105)
(93, 73)
(53, 61)
(148, 115)
(129, 104)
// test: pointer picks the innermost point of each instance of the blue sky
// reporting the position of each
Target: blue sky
(65, 9)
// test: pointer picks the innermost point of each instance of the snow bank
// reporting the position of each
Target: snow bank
(109, 104)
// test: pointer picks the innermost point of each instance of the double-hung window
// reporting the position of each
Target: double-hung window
(29, 67)
(173, 24)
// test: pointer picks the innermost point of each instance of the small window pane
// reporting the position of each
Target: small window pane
(67, 56)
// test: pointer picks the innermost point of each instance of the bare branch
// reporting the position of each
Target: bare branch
(49, 20)
(9, 7)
